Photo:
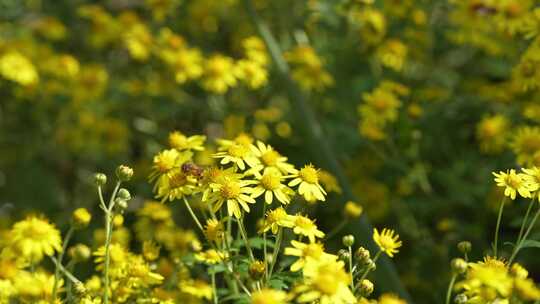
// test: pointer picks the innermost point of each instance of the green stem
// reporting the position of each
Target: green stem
(518, 246)
(265, 250)
(193, 215)
(276, 252)
(108, 237)
(243, 233)
(214, 289)
(351, 269)
(336, 230)
(525, 219)
(60, 259)
(497, 228)
(68, 274)
(450, 287)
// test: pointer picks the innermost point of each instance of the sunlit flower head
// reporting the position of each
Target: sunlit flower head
(33, 238)
(514, 183)
(269, 296)
(387, 241)
(180, 142)
(306, 251)
(233, 191)
(306, 227)
(277, 218)
(308, 180)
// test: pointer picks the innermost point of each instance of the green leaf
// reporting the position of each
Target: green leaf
(530, 244)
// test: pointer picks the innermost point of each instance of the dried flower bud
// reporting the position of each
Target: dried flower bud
(464, 246)
(461, 299)
(81, 217)
(348, 240)
(366, 287)
(459, 265)
(257, 270)
(100, 179)
(124, 173)
(362, 255)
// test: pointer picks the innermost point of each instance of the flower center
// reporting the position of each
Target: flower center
(513, 181)
(386, 242)
(178, 180)
(309, 174)
(270, 181)
(230, 190)
(270, 158)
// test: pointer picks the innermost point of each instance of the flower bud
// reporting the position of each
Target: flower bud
(371, 265)
(100, 179)
(464, 246)
(459, 265)
(257, 270)
(352, 210)
(124, 173)
(80, 253)
(80, 289)
(366, 288)
(123, 194)
(362, 255)
(461, 299)
(348, 240)
(344, 255)
(81, 217)
(121, 204)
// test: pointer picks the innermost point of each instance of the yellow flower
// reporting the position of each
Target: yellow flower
(187, 64)
(34, 237)
(270, 158)
(325, 282)
(329, 181)
(387, 241)
(491, 132)
(197, 288)
(277, 218)
(239, 155)
(269, 296)
(211, 256)
(514, 183)
(255, 50)
(16, 67)
(526, 289)
(306, 227)
(392, 54)
(251, 73)
(180, 142)
(175, 185)
(388, 298)
(166, 160)
(34, 286)
(379, 105)
(138, 41)
(304, 252)
(218, 74)
(81, 217)
(234, 192)
(270, 184)
(308, 179)
(352, 209)
(213, 230)
(532, 176)
(525, 144)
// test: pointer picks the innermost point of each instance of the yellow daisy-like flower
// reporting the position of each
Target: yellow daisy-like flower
(175, 185)
(387, 241)
(514, 183)
(187, 64)
(270, 184)
(166, 160)
(325, 282)
(277, 218)
(213, 230)
(180, 142)
(533, 176)
(33, 238)
(269, 296)
(491, 132)
(270, 158)
(308, 180)
(525, 144)
(218, 75)
(211, 256)
(251, 73)
(197, 288)
(329, 181)
(388, 298)
(304, 252)
(16, 67)
(306, 227)
(239, 155)
(35, 286)
(233, 191)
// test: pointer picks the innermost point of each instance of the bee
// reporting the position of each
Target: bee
(192, 169)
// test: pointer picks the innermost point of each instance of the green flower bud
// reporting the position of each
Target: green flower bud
(124, 173)
(362, 255)
(348, 240)
(80, 253)
(123, 194)
(464, 247)
(459, 265)
(461, 299)
(344, 255)
(100, 179)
